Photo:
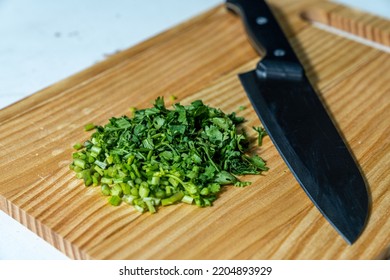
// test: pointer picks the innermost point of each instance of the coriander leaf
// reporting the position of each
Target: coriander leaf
(151, 111)
(159, 103)
(258, 162)
(223, 123)
(235, 119)
(177, 129)
(167, 155)
(225, 178)
(158, 122)
(213, 134)
(190, 188)
(148, 143)
(214, 188)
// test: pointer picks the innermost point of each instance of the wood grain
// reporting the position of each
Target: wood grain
(354, 21)
(200, 59)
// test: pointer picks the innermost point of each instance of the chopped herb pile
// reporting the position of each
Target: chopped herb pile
(162, 156)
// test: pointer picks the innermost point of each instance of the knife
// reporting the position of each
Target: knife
(298, 124)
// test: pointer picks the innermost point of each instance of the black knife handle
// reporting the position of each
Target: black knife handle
(267, 37)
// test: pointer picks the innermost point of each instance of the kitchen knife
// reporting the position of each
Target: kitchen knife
(299, 125)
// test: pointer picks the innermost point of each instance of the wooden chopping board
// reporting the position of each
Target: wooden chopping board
(200, 59)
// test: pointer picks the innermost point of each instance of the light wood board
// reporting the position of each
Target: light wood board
(367, 26)
(200, 59)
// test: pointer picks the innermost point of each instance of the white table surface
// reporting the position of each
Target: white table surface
(43, 41)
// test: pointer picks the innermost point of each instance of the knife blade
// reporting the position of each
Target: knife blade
(299, 125)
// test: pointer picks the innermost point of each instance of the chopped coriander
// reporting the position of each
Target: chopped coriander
(187, 199)
(80, 163)
(115, 200)
(242, 184)
(162, 157)
(132, 111)
(126, 189)
(106, 190)
(89, 127)
(242, 108)
(172, 199)
(116, 190)
(260, 134)
(77, 146)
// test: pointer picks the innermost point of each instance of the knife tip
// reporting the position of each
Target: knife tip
(354, 231)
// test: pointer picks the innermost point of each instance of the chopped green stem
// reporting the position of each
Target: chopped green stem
(89, 127)
(99, 170)
(77, 146)
(116, 190)
(126, 188)
(128, 198)
(143, 191)
(155, 180)
(80, 163)
(176, 178)
(172, 199)
(115, 200)
(105, 180)
(209, 158)
(150, 206)
(136, 171)
(105, 189)
(187, 199)
(139, 208)
(96, 149)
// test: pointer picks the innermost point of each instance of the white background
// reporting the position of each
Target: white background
(44, 41)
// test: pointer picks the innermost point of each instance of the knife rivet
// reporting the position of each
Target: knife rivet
(279, 52)
(261, 20)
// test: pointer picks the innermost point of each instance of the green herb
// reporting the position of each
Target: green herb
(89, 127)
(77, 146)
(260, 134)
(162, 157)
(132, 111)
(115, 200)
(106, 190)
